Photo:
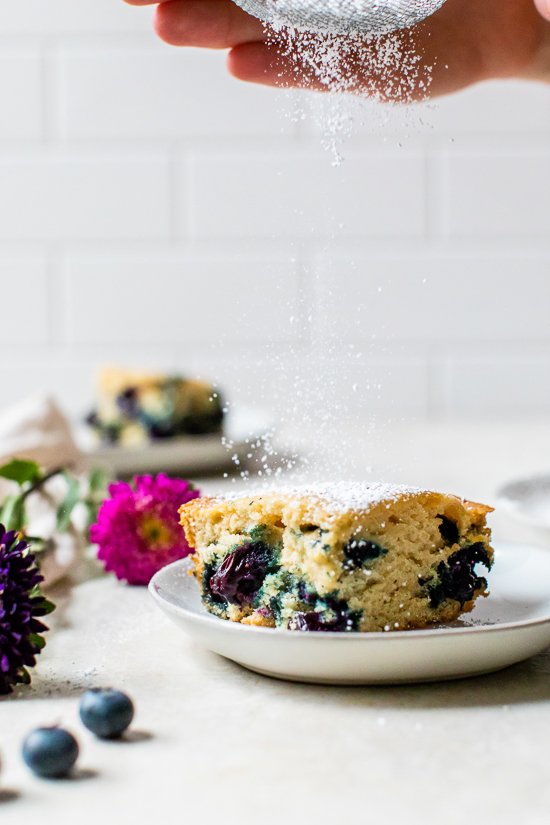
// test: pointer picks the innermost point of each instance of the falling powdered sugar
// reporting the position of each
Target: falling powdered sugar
(330, 373)
(357, 71)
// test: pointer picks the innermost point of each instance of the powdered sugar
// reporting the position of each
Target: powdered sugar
(335, 379)
(356, 70)
(337, 496)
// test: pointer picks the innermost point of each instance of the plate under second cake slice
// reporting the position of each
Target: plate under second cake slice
(339, 557)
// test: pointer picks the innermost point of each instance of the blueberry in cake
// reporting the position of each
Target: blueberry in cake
(135, 407)
(339, 557)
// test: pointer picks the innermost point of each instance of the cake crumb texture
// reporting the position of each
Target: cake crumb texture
(339, 556)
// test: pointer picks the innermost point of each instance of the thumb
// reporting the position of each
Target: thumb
(544, 7)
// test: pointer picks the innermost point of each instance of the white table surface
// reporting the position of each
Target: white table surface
(214, 743)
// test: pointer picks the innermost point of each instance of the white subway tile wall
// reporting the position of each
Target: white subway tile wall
(180, 300)
(21, 96)
(91, 195)
(265, 194)
(155, 212)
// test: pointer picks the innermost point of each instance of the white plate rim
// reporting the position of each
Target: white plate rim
(226, 626)
(513, 505)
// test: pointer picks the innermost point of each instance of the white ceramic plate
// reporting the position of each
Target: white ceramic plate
(528, 500)
(185, 454)
(512, 624)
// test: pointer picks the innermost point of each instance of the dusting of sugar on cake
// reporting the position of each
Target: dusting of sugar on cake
(338, 496)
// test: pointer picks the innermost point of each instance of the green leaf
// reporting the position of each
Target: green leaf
(47, 606)
(91, 511)
(24, 677)
(38, 545)
(12, 512)
(38, 641)
(65, 509)
(21, 471)
(97, 481)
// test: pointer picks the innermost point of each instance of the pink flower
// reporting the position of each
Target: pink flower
(137, 529)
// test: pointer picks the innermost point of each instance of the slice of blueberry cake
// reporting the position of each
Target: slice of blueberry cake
(137, 407)
(343, 556)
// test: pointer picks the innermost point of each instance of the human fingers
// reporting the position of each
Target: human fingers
(213, 24)
(267, 64)
(393, 68)
(544, 7)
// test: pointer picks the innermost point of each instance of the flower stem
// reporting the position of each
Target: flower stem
(41, 481)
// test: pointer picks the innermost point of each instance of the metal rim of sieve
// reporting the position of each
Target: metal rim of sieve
(343, 16)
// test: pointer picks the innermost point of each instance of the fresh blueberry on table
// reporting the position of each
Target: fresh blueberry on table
(106, 712)
(50, 752)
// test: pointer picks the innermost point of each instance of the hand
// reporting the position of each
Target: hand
(465, 42)
(544, 7)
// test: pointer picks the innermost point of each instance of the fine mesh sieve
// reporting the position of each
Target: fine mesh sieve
(342, 16)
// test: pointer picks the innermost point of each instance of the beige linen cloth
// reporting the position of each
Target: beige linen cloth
(36, 429)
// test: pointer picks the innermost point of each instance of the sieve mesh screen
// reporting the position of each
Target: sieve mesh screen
(342, 16)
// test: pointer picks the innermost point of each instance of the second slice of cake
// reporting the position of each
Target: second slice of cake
(339, 557)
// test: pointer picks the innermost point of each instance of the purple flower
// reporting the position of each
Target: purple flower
(21, 605)
(137, 529)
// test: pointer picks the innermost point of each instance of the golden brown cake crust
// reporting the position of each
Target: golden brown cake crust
(313, 500)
